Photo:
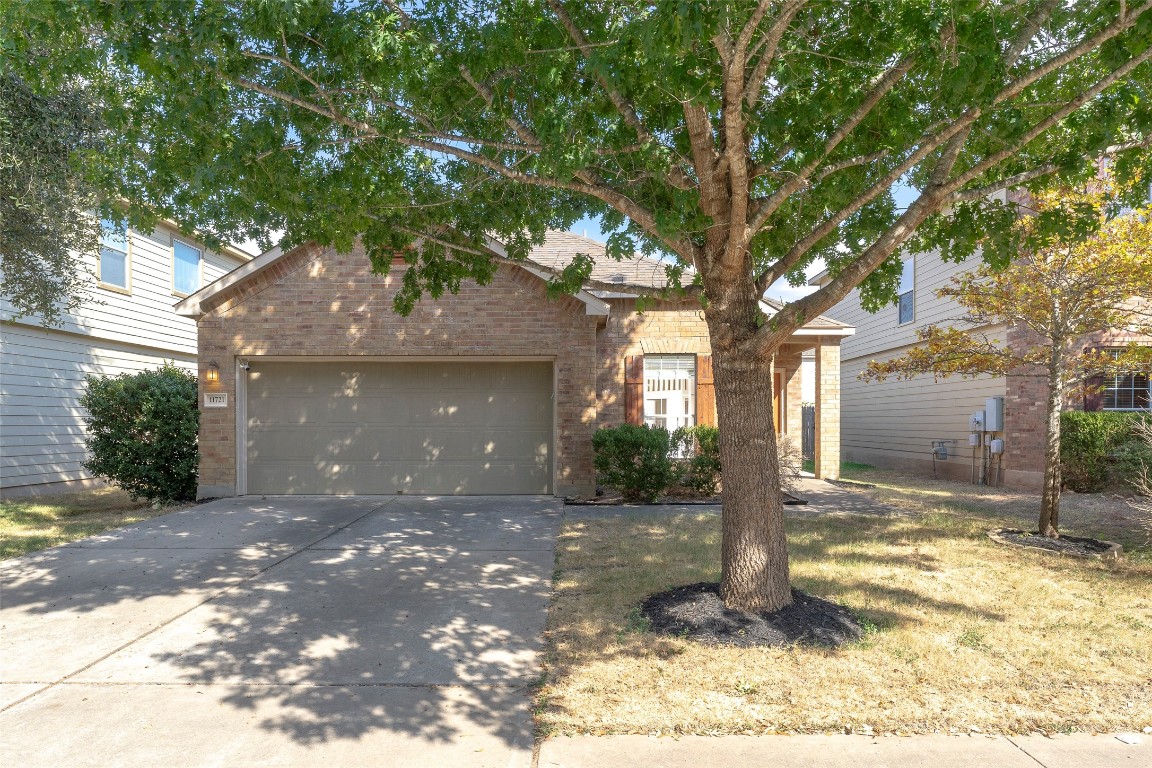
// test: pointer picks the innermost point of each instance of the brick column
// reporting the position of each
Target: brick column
(828, 409)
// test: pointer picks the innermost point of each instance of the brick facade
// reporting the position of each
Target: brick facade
(315, 303)
(665, 328)
(1026, 400)
(319, 303)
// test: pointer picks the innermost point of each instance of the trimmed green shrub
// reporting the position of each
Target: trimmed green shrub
(142, 431)
(1098, 448)
(701, 468)
(634, 460)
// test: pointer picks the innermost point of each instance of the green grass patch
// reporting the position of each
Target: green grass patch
(33, 523)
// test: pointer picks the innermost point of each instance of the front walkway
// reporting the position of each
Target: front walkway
(282, 631)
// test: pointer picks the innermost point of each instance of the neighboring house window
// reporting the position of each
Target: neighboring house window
(1127, 392)
(112, 267)
(907, 292)
(185, 267)
(670, 391)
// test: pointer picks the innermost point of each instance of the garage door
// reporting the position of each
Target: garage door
(399, 427)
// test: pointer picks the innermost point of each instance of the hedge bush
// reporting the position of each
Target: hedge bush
(1098, 449)
(634, 460)
(701, 470)
(142, 432)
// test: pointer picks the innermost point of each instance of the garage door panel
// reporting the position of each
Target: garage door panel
(445, 443)
(442, 477)
(478, 408)
(400, 427)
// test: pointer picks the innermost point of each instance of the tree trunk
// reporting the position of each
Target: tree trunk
(754, 555)
(1050, 501)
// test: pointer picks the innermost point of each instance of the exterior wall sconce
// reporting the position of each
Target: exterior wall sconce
(212, 375)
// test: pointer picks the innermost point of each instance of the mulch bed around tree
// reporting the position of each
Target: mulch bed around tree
(696, 612)
(1076, 546)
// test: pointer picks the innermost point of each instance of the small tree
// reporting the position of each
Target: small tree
(1088, 275)
(142, 432)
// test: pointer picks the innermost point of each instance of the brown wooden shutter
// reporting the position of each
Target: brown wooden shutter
(705, 391)
(1094, 389)
(634, 389)
(1094, 393)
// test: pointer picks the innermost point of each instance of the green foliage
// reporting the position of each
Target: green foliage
(701, 470)
(47, 200)
(634, 460)
(1100, 448)
(387, 120)
(142, 431)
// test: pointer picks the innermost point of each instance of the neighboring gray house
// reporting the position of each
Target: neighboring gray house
(129, 325)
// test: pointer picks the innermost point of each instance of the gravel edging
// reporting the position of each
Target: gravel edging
(1071, 546)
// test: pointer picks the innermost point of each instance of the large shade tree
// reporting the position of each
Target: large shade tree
(742, 139)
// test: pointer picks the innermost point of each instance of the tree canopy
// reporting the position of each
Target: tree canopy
(744, 139)
(47, 199)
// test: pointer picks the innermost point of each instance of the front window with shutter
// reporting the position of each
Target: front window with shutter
(1127, 391)
(670, 391)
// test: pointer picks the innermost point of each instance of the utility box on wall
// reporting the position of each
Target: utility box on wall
(994, 414)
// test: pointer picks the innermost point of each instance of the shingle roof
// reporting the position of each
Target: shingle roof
(559, 248)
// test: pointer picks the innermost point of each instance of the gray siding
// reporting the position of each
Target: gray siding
(42, 370)
(893, 423)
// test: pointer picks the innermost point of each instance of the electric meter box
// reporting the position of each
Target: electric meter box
(976, 422)
(994, 414)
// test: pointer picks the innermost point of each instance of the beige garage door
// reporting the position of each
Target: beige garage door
(399, 427)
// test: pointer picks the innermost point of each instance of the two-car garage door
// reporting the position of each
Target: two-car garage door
(364, 427)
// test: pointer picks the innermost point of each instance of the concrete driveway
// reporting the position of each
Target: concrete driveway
(283, 631)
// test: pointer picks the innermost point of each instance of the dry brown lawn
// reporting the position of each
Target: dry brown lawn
(38, 522)
(964, 634)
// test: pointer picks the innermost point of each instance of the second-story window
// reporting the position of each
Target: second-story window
(907, 292)
(112, 266)
(185, 267)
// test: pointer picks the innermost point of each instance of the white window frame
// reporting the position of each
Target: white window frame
(903, 290)
(1112, 383)
(654, 364)
(199, 271)
(126, 289)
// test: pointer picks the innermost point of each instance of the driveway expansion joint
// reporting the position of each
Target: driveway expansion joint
(1012, 741)
(157, 627)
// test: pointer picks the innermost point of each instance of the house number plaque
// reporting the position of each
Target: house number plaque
(215, 399)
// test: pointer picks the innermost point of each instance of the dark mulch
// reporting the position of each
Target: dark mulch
(696, 612)
(1068, 545)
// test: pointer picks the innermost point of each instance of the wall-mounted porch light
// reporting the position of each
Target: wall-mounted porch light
(213, 372)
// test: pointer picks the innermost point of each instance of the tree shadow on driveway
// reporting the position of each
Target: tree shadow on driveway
(326, 620)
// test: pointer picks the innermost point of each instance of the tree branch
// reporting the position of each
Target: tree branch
(754, 85)
(883, 85)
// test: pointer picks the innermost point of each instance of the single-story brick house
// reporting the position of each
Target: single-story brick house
(497, 389)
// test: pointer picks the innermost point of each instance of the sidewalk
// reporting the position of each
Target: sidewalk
(1073, 751)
